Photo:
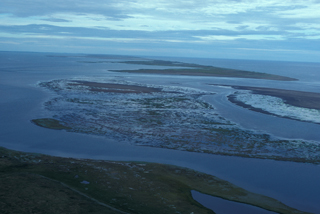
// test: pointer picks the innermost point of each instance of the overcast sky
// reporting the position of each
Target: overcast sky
(240, 29)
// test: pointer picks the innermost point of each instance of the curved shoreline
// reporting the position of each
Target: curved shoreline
(310, 100)
(190, 69)
(263, 176)
(119, 191)
(301, 99)
(233, 99)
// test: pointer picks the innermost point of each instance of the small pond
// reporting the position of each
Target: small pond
(222, 206)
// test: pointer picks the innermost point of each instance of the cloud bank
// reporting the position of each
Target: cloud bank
(207, 28)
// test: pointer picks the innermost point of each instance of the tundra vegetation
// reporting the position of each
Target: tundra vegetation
(36, 183)
(191, 69)
(181, 68)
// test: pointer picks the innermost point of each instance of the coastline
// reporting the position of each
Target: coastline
(309, 100)
(216, 72)
(276, 180)
(144, 118)
(130, 186)
(190, 69)
(302, 99)
(233, 99)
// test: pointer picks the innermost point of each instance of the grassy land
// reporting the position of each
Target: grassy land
(200, 70)
(34, 183)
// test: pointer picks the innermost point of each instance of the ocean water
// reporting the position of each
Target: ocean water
(295, 184)
(304, 71)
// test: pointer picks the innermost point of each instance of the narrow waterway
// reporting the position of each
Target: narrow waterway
(295, 184)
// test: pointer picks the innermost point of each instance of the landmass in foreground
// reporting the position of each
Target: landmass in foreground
(35, 183)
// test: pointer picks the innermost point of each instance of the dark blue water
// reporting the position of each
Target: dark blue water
(295, 184)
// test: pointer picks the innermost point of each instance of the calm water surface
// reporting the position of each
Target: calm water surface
(222, 206)
(294, 184)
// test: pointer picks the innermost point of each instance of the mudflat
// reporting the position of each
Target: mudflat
(302, 99)
(158, 119)
(115, 88)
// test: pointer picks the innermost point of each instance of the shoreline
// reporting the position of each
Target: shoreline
(190, 69)
(310, 100)
(129, 184)
(233, 99)
(265, 176)
(167, 112)
(217, 72)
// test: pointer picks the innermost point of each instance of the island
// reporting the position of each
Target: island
(190, 69)
(170, 117)
(117, 117)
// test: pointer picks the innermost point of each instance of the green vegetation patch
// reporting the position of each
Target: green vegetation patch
(46, 184)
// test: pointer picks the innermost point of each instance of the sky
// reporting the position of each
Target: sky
(287, 30)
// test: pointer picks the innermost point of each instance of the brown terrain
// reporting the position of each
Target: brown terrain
(116, 88)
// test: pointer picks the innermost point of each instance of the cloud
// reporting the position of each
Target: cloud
(10, 42)
(190, 23)
(303, 11)
(237, 37)
(29, 8)
(269, 50)
(160, 15)
(55, 20)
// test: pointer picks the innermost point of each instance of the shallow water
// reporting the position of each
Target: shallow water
(295, 184)
(277, 126)
(222, 206)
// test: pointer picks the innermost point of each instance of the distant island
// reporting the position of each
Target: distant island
(191, 69)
